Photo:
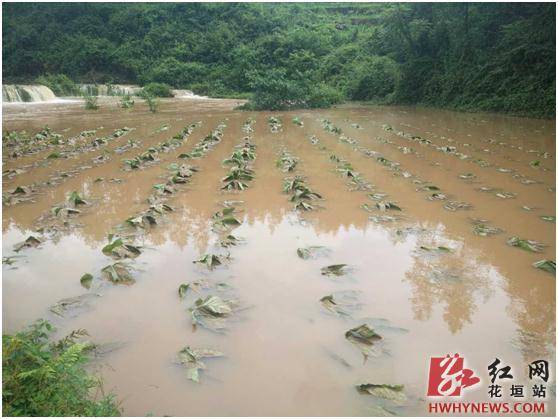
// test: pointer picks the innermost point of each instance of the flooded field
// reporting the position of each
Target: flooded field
(234, 257)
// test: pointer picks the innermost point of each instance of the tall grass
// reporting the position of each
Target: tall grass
(47, 378)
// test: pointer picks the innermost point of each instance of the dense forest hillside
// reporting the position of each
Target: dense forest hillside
(486, 56)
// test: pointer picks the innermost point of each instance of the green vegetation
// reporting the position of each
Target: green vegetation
(156, 90)
(60, 84)
(90, 102)
(44, 378)
(152, 103)
(469, 56)
(126, 102)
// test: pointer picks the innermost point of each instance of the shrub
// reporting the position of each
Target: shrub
(42, 378)
(177, 73)
(60, 84)
(374, 78)
(156, 90)
(323, 96)
(126, 102)
(90, 102)
(273, 90)
(151, 102)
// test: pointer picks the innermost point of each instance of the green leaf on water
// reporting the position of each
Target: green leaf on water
(210, 260)
(364, 338)
(29, 242)
(456, 205)
(183, 289)
(546, 265)
(377, 196)
(20, 190)
(385, 205)
(161, 208)
(506, 195)
(163, 188)
(75, 199)
(528, 245)
(118, 273)
(120, 250)
(212, 312)
(143, 221)
(437, 197)
(286, 162)
(383, 391)
(229, 240)
(303, 206)
(86, 280)
(441, 249)
(64, 211)
(430, 188)
(73, 303)
(9, 260)
(483, 229)
(334, 270)
(230, 221)
(312, 252)
(341, 303)
(191, 358)
(297, 121)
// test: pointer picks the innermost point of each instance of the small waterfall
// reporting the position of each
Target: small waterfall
(26, 93)
(109, 89)
(186, 94)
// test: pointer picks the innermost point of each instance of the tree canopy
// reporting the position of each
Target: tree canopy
(471, 56)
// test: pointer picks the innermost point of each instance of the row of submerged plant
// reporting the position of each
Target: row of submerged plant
(240, 167)
(121, 244)
(27, 193)
(71, 146)
(275, 124)
(151, 155)
(451, 150)
(480, 227)
(216, 305)
(344, 304)
(450, 205)
(62, 216)
(20, 143)
(382, 202)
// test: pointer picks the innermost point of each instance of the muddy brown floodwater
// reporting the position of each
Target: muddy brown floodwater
(422, 277)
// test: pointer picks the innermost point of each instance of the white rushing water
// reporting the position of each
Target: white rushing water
(186, 94)
(109, 89)
(37, 93)
(26, 93)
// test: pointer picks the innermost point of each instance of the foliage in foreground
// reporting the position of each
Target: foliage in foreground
(45, 378)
